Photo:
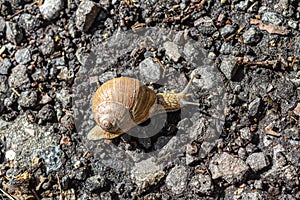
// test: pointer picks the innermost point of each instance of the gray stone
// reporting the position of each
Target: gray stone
(40, 74)
(242, 5)
(254, 107)
(279, 158)
(51, 8)
(45, 99)
(73, 30)
(189, 159)
(86, 14)
(64, 97)
(3, 83)
(52, 156)
(282, 5)
(150, 70)
(226, 48)
(257, 161)
(205, 25)
(147, 172)
(23, 56)
(246, 134)
(13, 33)
(18, 77)
(272, 18)
(211, 56)
(28, 21)
(47, 46)
(17, 4)
(60, 61)
(28, 99)
(250, 148)
(201, 184)
(228, 30)
(293, 24)
(167, 145)
(2, 25)
(194, 52)
(206, 148)
(9, 101)
(229, 67)
(46, 113)
(252, 36)
(176, 180)
(228, 167)
(5, 65)
(258, 184)
(242, 153)
(95, 183)
(289, 196)
(290, 174)
(253, 195)
(172, 51)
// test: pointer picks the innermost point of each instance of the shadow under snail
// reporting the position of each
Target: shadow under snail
(122, 103)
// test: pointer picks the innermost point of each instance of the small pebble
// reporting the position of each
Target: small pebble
(229, 67)
(10, 155)
(297, 109)
(68, 122)
(257, 161)
(176, 180)
(230, 168)
(96, 183)
(64, 97)
(51, 8)
(242, 5)
(46, 113)
(172, 51)
(28, 21)
(252, 36)
(5, 66)
(272, 18)
(106, 76)
(18, 77)
(52, 156)
(254, 107)
(293, 24)
(201, 184)
(228, 30)
(23, 56)
(28, 99)
(3, 83)
(150, 70)
(246, 134)
(147, 172)
(86, 14)
(226, 49)
(2, 25)
(47, 46)
(13, 33)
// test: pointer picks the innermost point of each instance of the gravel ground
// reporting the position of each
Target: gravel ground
(241, 142)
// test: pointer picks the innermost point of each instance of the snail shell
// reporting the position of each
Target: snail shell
(122, 103)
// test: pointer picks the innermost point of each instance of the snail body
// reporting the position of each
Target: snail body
(122, 103)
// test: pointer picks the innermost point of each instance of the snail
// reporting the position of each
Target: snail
(122, 103)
